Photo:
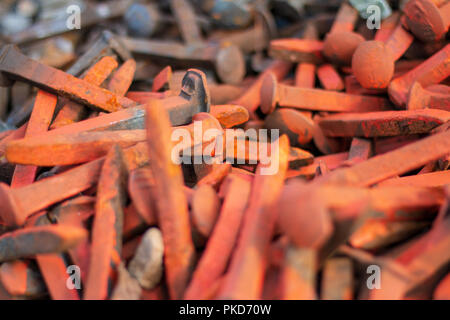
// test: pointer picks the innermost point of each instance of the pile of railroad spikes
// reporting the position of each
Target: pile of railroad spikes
(94, 204)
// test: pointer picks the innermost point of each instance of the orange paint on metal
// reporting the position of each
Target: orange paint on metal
(383, 124)
(305, 75)
(431, 179)
(212, 265)
(273, 94)
(251, 98)
(396, 162)
(121, 80)
(106, 243)
(54, 272)
(162, 79)
(44, 108)
(72, 111)
(230, 115)
(330, 78)
(297, 50)
(173, 215)
(432, 71)
(245, 276)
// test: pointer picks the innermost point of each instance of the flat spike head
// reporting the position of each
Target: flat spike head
(425, 20)
(194, 87)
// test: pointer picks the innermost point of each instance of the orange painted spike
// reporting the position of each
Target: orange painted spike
(16, 134)
(345, 19)
(431, 179)
(68, 149)
(106, 242)
(121, 80)
(212, 265)
(173, 215)
(245, 276)
(21, 281)
(76, 148)
(330, 78)
(305, 75)
(162, 80)
(75, 212)
(432, 71)
(399, 42)
(205, 206)
(435, 97)
(393, 163)
(383, 124)
(273, 94)
(54, 271)
(53, 267)
(141, 187)
(72, 111)
(41, 116)
(388, 25)
(61, 83)
(406, 203)
(16, 205)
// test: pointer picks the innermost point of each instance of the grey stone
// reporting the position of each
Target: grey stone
(147, 264)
